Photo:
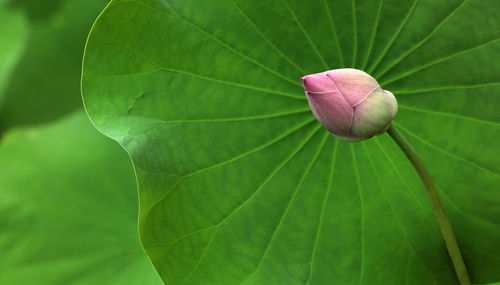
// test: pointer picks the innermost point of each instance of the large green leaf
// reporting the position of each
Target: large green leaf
(238, 182)
(45, 83)
(13, 36)
(68, 208)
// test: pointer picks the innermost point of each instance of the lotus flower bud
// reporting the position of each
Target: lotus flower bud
(349, 103)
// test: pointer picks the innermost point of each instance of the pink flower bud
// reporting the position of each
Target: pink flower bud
(349, 103)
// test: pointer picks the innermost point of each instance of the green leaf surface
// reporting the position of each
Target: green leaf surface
(68, 208)
(45, 83)
(13, 37)
(238, 182)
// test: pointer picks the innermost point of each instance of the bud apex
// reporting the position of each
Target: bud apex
(349, 103)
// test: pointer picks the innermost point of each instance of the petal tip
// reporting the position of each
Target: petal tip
(316, 83)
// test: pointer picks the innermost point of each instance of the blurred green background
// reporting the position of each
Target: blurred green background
(68, 197)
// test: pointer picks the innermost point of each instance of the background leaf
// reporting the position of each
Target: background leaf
(13, 37)
(68, 208)
(37, 10)
(238, 182)
(46, 82)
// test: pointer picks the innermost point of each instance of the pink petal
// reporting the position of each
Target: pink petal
(331, 110)
(353, 84)
(317, 83)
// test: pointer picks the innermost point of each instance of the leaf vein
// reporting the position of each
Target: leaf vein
(266, 39)
(234, 120)
(393, 38)
(251, 197)
(355, 34)
(398, 173)
(439, 113)
(411, 249)
(225, 82)
(306, 34)
(445, 88)
(457, 157)
(419, 44)
(263, 146)
(217, 40)
(437, 61)
(374, 34)
(289, 204)
(362, 207)
(334, 31)
(321, 216)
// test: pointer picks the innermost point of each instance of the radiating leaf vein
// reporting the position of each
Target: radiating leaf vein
(362, 214)
(321, 215)
(437, 61)
(439, 113)
(256, 149)
(396, 217)
(424, 40)
(393, 38)
(447, 152)
(217, 40)
(396, 170)
(235, 119)
(374, 34)
(334, 31)
(446, 88)
(355, 34)
(251, 197)
(225, 82)
(306, 34)
(290, 202)
(266, 39)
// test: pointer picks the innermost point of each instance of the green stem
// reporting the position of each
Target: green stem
(444, 223)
